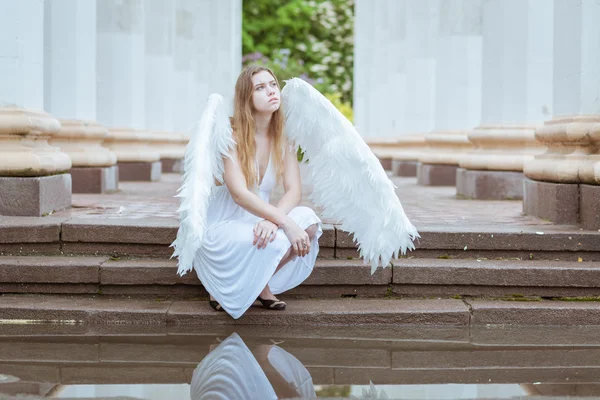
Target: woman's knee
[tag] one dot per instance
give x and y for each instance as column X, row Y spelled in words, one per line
column 312, row 231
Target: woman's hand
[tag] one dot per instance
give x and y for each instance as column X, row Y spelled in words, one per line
column 298, row 238
column 265, row 232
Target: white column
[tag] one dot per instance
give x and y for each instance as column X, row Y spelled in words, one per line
column 24, row 127
column 516, row 82
column 457, row 87
column 573, row 136
column 227, row 25
column 70, row 85
column 458, row 66
column 22, row 54
column 380, row 68
column 363, row 59
column 70, row 59
column 159, row 32
column 120, row 64
column 422, row 21
column 183, row 57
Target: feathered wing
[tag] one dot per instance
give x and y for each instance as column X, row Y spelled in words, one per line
column 348, row 181
column 210, row 142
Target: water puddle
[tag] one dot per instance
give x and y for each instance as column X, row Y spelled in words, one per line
column 262, row 362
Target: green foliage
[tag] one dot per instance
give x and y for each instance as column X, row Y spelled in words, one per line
column 310, row 39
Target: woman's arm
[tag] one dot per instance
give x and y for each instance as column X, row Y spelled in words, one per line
column 236, row 183
column 291, row 182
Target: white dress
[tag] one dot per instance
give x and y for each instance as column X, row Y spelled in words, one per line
column 232, row 269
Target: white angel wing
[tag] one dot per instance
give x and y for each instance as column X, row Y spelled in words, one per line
column 203, row 162
column 348, row 180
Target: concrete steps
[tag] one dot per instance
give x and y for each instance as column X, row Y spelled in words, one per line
column 95, row 309
column 151, row 237
column 330, row 278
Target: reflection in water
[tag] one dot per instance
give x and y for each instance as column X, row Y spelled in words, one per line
column 287, row 362
column 232, row 371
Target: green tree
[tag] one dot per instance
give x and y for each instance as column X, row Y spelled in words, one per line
column 311, row 39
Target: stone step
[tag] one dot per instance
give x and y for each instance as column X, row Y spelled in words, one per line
column 330, row 278
column 151, row 237
column 94, row 309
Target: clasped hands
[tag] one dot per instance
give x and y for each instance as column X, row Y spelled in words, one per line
column 265, row 232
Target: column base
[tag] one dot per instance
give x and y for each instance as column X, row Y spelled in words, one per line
column 404, row 168
column 436, row 174
column 36, row 196
column 148, row 171
column 95, row 179
column 556, row 202
column 172, row 165
column 489, row 185
column 386, row 163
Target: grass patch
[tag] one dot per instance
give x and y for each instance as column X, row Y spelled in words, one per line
column 582, row 298
column 457, row 297
column 444, row 257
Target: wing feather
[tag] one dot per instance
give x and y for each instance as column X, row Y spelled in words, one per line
column 348, row 181
column 210, row 142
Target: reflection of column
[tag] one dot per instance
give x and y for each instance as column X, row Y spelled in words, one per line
column 565, row 180
column 517, row 95
column 32, row 174
column 457, row 91
column 121, row 87
column 70, row 93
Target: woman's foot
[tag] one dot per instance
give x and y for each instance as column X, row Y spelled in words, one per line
column 272, row 304
column 215, row 305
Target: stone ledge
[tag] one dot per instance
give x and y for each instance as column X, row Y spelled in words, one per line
column 534, row 313
column 146, row 231
column 50, row 269
column 496, row 239
column 497, row 273
column 30, row 230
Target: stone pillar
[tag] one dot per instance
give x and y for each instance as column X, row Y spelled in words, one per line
column 183, row 58
column 121, row 94
column 417, row 90
column 517, row 96
column 70, row 93
column 33, row 175
column 161, row 96
column 457, row 91
column 564, row 182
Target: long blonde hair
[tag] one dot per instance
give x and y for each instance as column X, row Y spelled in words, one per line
column 243, row 125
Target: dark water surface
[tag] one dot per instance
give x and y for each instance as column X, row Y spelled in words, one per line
column 262, row 362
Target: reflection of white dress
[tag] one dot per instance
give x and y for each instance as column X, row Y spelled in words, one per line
column 231, row 372
column 234, row 271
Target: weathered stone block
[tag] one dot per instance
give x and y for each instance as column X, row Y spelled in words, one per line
column 404, row 168
column 436, row 174
column 489, row 185
column 95, row 180
column 140, row 171
column 556, row 202
column 34, row 196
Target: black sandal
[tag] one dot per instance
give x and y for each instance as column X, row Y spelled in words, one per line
column 215, row 305
column 272, row 304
